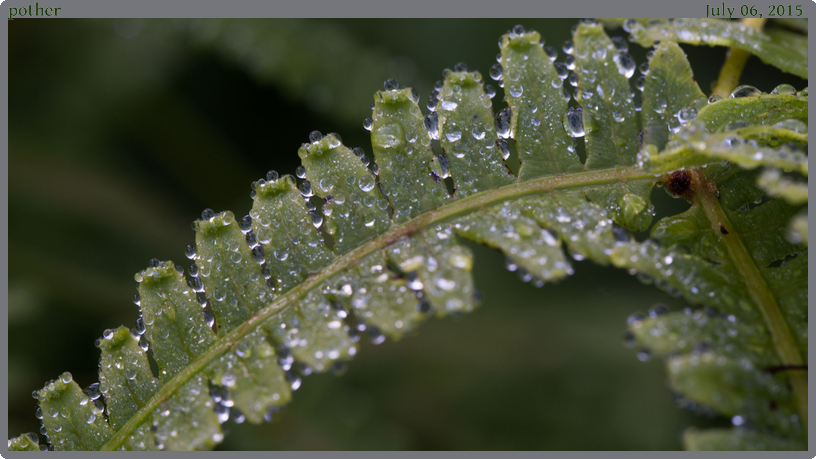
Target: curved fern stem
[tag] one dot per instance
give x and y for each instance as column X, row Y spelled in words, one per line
column 734, row 63
column 706, row 194
column 543, row 185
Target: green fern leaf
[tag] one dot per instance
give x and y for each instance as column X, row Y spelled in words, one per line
column 735, row 440
column 25, row 442
column 780, row 48
column 776, row 185
column 668, row 87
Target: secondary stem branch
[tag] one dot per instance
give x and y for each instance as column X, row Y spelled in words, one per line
column 757, row 287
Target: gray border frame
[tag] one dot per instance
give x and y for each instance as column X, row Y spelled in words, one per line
column 356, row 9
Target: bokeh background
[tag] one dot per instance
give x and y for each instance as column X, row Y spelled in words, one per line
column 122, row 131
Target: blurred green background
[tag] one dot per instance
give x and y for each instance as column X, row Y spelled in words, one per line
column 122, row 131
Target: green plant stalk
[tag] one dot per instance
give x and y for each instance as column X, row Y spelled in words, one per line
column 453, row 209
column 755, row 283
column 734, row 63
column 705, row 194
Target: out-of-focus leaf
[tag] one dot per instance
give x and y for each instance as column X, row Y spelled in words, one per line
column 782, row 49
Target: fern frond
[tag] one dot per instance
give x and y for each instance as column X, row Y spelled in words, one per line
column 734, row 254
column 360, row 247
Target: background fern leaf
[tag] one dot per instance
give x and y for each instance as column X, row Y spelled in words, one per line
column 780, row 48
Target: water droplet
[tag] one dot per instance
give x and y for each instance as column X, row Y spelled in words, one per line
column 575, row 121
column 551, row 53
column 92, row 391
column 503, row 123
column 432, row 101
column 516, row 90
column 620, row 43
column 562, row 70
column 478, row 133
column 569, row 61
column 445, row 284
column 745, row 91
column 140, row 326
column 245, row 224
column 258, row 251
column 376, row 336
column 660, row 104
column 413, row 282
column 432, row 125
column 491, row 93
column 207, row 214
column 391, row 84
column 573, row 79
column 568, row 47
column 315, row 136
column 687, row 114
column 366, row 183
column 496, row 72
column 714, row 98
column 625, row 63
column 196, row 284
column 453, row 136
column 281, row 255
column 449, row 105
column 644, row 68
column 222, row 412
column 784, row 89
column 444, row 166
column 300, row 172
column 306, row 189
column 640, row 83
column 228, row 379
column 413, row 95
column 658, row 310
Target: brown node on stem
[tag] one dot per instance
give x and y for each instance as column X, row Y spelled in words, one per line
column 680, row 183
